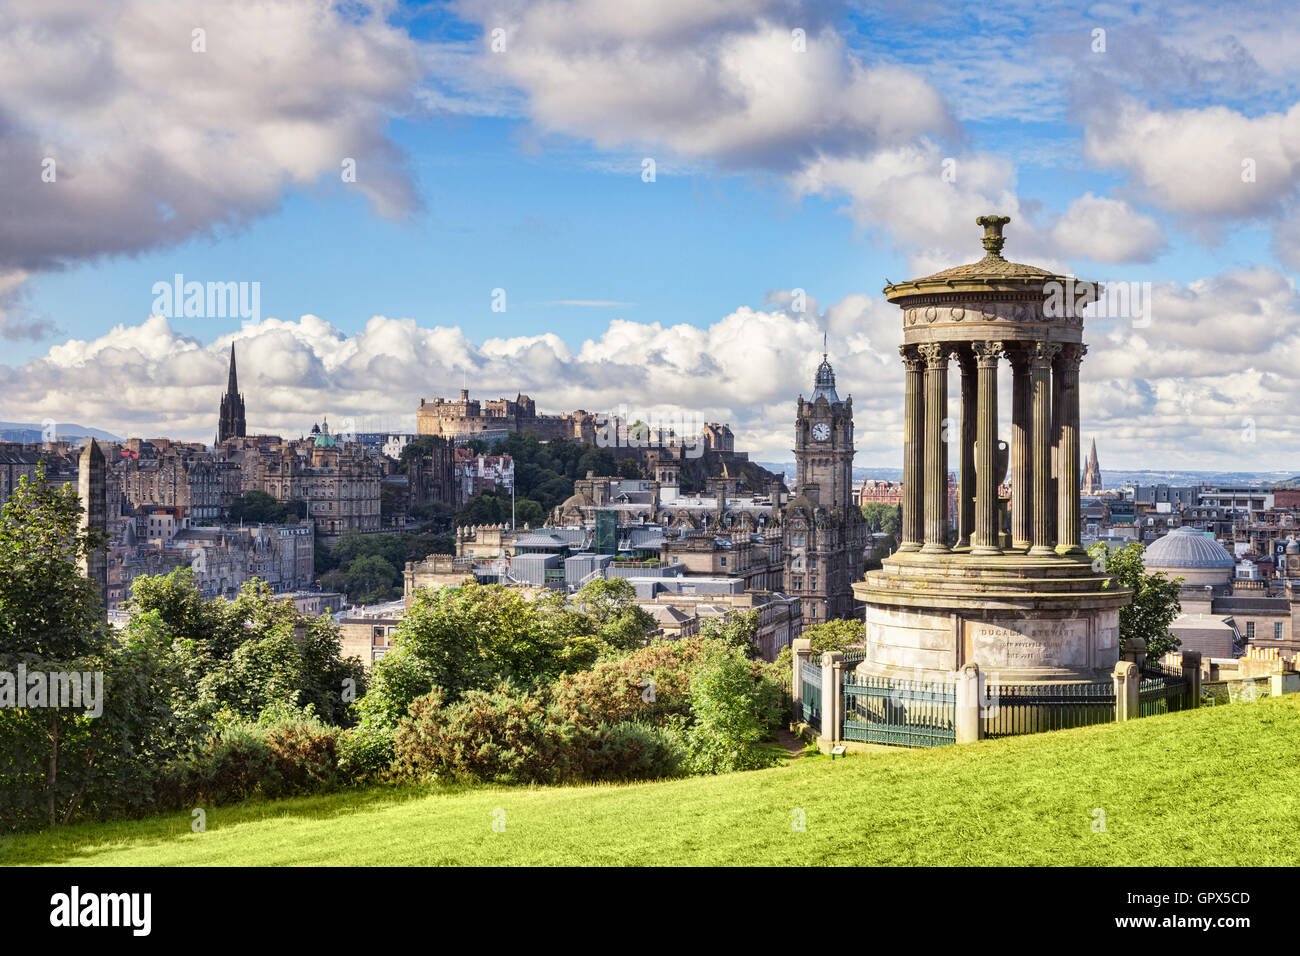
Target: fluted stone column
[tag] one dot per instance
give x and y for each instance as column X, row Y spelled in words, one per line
column 1022, row 465
column 966, row 472
column 936, row 449
column 986, row 479
column 1067, row 513
column 913, row 450
column 1040, row 378
column 1057, row 406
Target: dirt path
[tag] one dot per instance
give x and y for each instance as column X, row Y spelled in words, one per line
column 792, row 744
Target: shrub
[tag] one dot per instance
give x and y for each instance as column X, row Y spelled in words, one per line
column 618, row 690
column 499, row 735
column 275, row 759
column 734, row 707
column 632, row 750
column 366, row 753
column 512, row 736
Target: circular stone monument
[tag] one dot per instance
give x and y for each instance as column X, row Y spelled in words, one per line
column 1018, row 597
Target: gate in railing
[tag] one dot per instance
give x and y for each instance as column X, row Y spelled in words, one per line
column 1161, row 694
column 904, row 712
column 810, row 680
column 1011, row 709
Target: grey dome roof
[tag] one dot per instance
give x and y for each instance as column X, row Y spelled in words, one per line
column 1187, row 548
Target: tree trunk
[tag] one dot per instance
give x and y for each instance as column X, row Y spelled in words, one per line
column 54, row 759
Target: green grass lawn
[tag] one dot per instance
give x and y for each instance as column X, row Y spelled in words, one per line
column 1215, row 786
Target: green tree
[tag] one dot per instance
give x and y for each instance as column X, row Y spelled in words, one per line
column 622, row 624
column 882, row 518
column 51, row 620
column 835, row 635
column 1155, row 601
column 473, row 637
column 733, row 709
column 257, row 507
column 738, row 629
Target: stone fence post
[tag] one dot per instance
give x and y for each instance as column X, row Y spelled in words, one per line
column 802, row 651
column 833, row 696
column 1192, row 674
column 1135, row 650
column 1126, row 691
column 1283, row 681
column 968, row 704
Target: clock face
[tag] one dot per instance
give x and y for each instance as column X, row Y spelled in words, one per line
column 821, row 431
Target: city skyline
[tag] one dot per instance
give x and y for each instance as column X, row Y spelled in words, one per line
column 708, row 289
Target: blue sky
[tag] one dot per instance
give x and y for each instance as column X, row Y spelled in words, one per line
column 777, row 170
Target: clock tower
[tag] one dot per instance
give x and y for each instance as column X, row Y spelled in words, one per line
column 824, row 532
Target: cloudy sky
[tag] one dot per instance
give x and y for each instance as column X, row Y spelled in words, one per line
column 391, row 175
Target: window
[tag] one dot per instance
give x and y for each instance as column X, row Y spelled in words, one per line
column 1250, row 630
column 722, row 561
column 1277, row 630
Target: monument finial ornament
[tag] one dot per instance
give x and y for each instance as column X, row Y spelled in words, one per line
column 993, row 238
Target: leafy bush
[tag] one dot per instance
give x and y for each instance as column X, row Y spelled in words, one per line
column 512, row 736
column 734, row 706
column 632, row 750
column 275, row 758
column 646, row 685
column 498, row 735
column 366, row 753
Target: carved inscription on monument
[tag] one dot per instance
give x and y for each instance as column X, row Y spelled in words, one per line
column 1027, row 643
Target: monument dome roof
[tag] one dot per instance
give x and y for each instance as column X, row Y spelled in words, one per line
column 1187, row 548
column 992, row 273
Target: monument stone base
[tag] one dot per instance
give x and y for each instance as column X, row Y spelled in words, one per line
column 1024, row 619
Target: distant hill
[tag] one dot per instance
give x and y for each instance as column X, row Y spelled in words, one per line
column 66, row 431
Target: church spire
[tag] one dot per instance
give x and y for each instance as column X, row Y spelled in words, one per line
column 232, row 384
column 230, row 421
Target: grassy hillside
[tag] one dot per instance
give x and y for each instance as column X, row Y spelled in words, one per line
column 1215, row 786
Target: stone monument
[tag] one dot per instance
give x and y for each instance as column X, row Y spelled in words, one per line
column 1020, row 598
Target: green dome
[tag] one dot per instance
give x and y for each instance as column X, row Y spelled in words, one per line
column 325, row 439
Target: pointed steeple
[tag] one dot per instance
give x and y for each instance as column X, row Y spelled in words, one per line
column 1091, row 484
column 232, row 384
column 230, row 421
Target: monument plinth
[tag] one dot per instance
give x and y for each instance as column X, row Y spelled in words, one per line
column 1024, row 604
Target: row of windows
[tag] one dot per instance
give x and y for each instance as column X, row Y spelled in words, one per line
column 1277, row 630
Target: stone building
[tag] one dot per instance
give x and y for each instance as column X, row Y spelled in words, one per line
column 339, row 483
column 1021, row 600
column 470, row 418
column 163, row 472
column 224, row 557
column 23, row 459
column 432, row 476
column 879, row 492
column 1223, row 617
column 824, row 531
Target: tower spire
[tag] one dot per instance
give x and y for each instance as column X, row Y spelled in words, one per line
column 230, row 420
column 232, row 384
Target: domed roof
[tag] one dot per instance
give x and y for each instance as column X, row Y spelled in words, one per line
column 1187, row 548
column 575, row 501
column 992, row 273
column 1292, row 546
column 323, row 437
